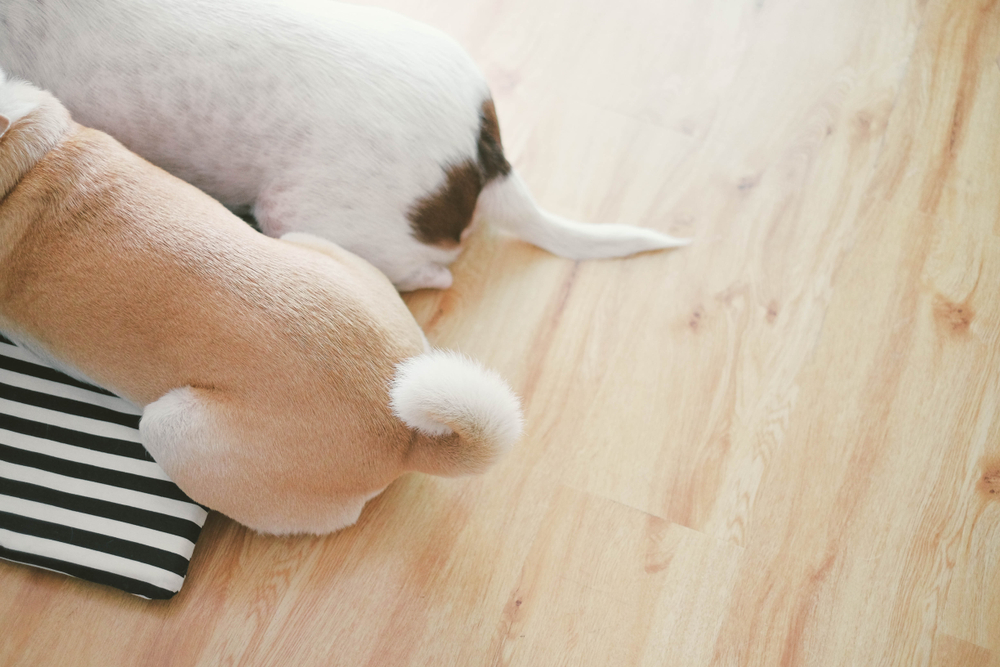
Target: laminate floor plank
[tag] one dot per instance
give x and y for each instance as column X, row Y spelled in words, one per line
column 776, row 446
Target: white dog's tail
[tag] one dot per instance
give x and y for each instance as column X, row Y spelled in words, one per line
column 506, row 203
column 466, row 417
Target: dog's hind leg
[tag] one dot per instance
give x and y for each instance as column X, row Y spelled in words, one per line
column 185, row 433
column 375, row 231
column 190, row 434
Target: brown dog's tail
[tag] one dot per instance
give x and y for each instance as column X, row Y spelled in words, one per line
column 464, row 416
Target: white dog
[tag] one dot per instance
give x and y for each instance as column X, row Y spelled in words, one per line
column 350, row 123
column 283, row 382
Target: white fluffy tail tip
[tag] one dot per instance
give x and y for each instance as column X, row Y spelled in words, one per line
column 440, row 392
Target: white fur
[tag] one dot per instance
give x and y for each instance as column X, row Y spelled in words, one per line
column 507, row 204
column 17, row 99
column 440, row 391
column 318, row 117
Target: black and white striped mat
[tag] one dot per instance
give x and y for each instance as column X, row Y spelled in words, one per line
column 78, row 493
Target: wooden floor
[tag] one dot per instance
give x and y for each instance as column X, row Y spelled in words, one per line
column 779, row 446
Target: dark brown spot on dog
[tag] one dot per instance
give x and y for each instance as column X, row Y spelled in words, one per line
column 954, row 318
column 442, row 216
column 491, row 157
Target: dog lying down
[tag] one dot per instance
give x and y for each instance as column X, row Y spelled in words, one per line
column 284, row 382
column 351, row 123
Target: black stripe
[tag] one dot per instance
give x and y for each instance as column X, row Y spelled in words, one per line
column 116, row 546
column 126, row 584
column 115, row 478
column 98, row 443
column 164, row 523
column 46, row 373
column 67, row 406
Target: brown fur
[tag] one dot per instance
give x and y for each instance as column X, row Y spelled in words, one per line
column 144, row 284
column 442, row 216
column 491, row 158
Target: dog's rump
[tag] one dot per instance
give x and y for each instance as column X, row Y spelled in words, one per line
column 367, row 129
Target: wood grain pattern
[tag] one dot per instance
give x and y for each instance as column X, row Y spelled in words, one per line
column 778, row 446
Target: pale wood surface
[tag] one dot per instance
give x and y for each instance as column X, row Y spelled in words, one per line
column 778, row 446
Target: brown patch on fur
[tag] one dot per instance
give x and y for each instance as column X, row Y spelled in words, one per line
column 442, row 216
column 491, row 157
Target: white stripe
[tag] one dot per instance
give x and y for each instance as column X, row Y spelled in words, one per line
column 82, row 455
column 98, row 524
column 88, row 489
column 34, row 354
column 74, row 422
column 94, row 559
column 53, row 388
column 17, row 352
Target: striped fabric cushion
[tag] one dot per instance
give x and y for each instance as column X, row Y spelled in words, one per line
column 78, row 493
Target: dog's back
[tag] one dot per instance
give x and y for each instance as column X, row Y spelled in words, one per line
column 265, row 368
column 323, row 118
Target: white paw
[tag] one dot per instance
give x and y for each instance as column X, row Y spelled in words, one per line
column 428, row 276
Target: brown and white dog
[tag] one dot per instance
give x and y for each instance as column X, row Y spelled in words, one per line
column 351, row 123
column 283, row 382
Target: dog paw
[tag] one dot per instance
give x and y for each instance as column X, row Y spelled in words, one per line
column 428, row 276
